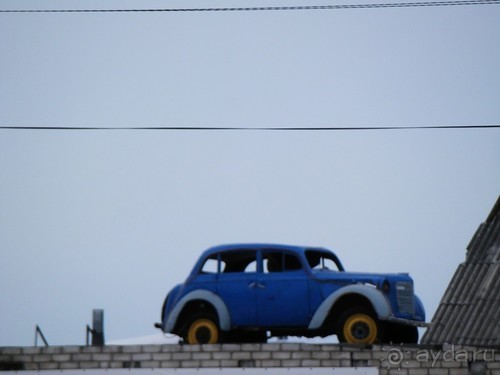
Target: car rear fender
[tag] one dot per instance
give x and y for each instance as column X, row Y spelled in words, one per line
column 377, row 299
column 196, row 295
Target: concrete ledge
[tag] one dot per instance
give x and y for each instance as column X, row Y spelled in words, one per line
column 410, row 360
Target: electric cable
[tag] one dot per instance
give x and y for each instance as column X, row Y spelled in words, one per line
column 243, row 128
column 269, row 8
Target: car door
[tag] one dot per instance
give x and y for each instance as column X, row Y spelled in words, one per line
column 236, row 286
column 282, row 291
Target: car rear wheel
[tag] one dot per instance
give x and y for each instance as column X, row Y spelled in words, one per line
column 358, row 326
column 202, row 330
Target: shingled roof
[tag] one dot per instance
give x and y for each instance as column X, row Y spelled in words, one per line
column 469, row 312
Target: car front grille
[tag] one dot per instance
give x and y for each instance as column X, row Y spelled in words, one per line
column 404, row 292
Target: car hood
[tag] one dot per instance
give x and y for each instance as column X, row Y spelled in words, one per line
column 359, row 277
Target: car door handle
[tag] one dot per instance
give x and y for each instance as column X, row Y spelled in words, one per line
column 256, row 284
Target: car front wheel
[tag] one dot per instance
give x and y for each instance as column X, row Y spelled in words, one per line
column 358, row 326
column 202, row 330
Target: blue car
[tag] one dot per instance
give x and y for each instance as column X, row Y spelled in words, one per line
column 250, row 292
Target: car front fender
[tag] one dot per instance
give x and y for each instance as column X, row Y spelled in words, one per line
column 377, row 299
column 204, row 295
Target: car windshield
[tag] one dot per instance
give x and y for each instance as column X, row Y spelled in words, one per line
column 323, row 261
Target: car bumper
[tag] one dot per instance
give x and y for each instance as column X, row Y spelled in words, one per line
column 408, row 322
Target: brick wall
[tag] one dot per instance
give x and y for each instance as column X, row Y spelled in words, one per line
column 410, row 360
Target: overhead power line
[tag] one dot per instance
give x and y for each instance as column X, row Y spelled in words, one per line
column 269, row 8
column 222, row 128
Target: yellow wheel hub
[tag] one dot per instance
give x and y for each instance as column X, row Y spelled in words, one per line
column 360, row 329
column 203, row 331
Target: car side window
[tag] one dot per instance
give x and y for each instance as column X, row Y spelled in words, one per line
column 321, row 261
column 231, row 262
column 278, row 261
column 210, row 265
column 239, row 261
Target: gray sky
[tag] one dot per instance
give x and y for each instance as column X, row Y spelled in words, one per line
column 113, row 219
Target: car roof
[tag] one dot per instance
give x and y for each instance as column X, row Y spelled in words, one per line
column 259, row 246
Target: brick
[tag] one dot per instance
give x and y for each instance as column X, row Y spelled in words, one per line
column 330, row 363
column 132, row 349
column 161, row 356
column 309, row 347
column 361, row 355
column 270, row 347
column 71, row 349
column 191, row 348
column 301, row 355
column 438, row 371
column 330, row 348
column 42, row 358
column 114, row 364
column 61, row 357
column 151, row 348
column 261, row 355
column 141, row 357
column 170, row 364
column 231, row 347
column 150, row 364
column 341, row 355
column 88, row 365
column 460, row 371
column 49, row 366
column 241, row 355
column 79, row 357
column 250, row 347
column 353, row 347
column 359, row 363
column 202, row 355
column 310, row 363
column 290, row 347
column 281, row 355
column 320, row 355
column 290, row 363
column 104, row 364
column 221, row 355
column 211, row 347
column 181, row 356
column 11, row 351
column 31, row 366
column 451, row 364
column 228, row 363
column 112, row 349
column 270, row 363
column 171, row 348
column 68, row 365
column 51, row 350
column 101, row 357
column 190, row 364
column 244, row 363
column 345, row 363
column 398, row 372
column 121, row 357
column 91, row 349
column 210, row 363
column 22, row 358
column 31, row 350
column 417, row 371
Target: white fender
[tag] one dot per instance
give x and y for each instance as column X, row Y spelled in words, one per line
column 205, row 295
column 379, row 302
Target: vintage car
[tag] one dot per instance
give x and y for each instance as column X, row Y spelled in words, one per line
column 250, row 292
